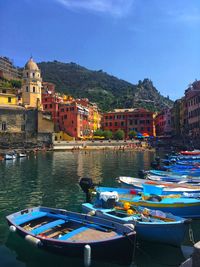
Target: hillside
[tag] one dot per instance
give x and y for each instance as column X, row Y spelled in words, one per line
column 107, row 91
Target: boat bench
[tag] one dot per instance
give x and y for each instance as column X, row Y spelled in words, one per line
column 29, row 217
column 47, row 226
column 73, row 233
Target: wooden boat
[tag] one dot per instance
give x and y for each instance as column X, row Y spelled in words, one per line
column 166, row 187
column 68, row 233
column 178, row 205
column 153, row 226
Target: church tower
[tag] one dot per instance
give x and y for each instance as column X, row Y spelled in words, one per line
column 32, row 85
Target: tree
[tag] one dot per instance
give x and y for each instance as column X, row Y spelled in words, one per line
column 107, row 134
column 99, row 132
column 119, row 135
column 132, row 134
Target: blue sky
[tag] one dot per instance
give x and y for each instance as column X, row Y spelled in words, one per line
column 130, row 39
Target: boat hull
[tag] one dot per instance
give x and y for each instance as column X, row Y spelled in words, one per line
column 172, row 233
column 100, row 249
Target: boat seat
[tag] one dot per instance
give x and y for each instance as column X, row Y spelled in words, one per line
column 29, row 217
column 47, row 226
column 73, row 233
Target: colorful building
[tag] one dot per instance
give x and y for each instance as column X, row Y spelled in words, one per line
column 137, row 119
column 76, row 117
column 8, row 96
column 163, row 123
column 8, row 70
column 192, row 99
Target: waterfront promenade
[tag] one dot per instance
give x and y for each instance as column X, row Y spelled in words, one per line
column 103, row 144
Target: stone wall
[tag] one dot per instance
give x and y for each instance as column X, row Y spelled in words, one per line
column 12, row 119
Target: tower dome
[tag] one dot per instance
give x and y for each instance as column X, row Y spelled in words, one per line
column 31, row 65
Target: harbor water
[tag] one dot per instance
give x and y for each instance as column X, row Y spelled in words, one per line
column 52, row 179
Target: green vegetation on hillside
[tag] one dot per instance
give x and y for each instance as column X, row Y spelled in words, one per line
column 107, row 91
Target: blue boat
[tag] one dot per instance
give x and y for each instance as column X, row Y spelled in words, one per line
column 176, row 204
column 68, row 233
column 163, row 228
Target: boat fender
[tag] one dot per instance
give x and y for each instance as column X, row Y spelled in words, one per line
column 130, row 226
column 91, row 213
column 12, row 228
column 87, row 255
column 33, row 240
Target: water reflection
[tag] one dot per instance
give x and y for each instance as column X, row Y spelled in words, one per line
column 51, row 179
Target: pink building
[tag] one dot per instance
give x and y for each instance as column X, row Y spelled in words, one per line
column 163, row 123
column 192, row 98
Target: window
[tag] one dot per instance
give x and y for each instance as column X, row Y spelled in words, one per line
column 4, row 91
column 62, row 110
column 122, row 123
column 110, row 123
column 50, row 105
column 23, row 128
column 9, row 99
column 115, row 123
column 27, row 74
column 26, row 88
column 33, row 89
column 33, row 74
column 65, row 117
column 45, row 106
column 3, row 126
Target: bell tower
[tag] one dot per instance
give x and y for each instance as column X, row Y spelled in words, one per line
column 32, row 85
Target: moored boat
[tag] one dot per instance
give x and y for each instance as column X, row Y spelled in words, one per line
column 167, row 187
column 176, row 204
column 150, row 225
column 68, row 233
column 22, row 155
column 9, row 156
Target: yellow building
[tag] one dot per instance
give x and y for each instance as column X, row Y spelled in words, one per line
column 7, row 96
column 97, row 120
column 32, row 85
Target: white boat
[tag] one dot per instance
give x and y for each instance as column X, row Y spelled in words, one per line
column 9, row 156
column 165, row 187
column 22, row 155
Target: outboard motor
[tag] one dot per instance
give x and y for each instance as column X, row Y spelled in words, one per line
column 142, row 174
column 155, row 165
column 86, row 184
column 157, row 159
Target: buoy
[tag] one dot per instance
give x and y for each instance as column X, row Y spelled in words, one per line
column 33, row 240
column 12, row 228
column 87, row 256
